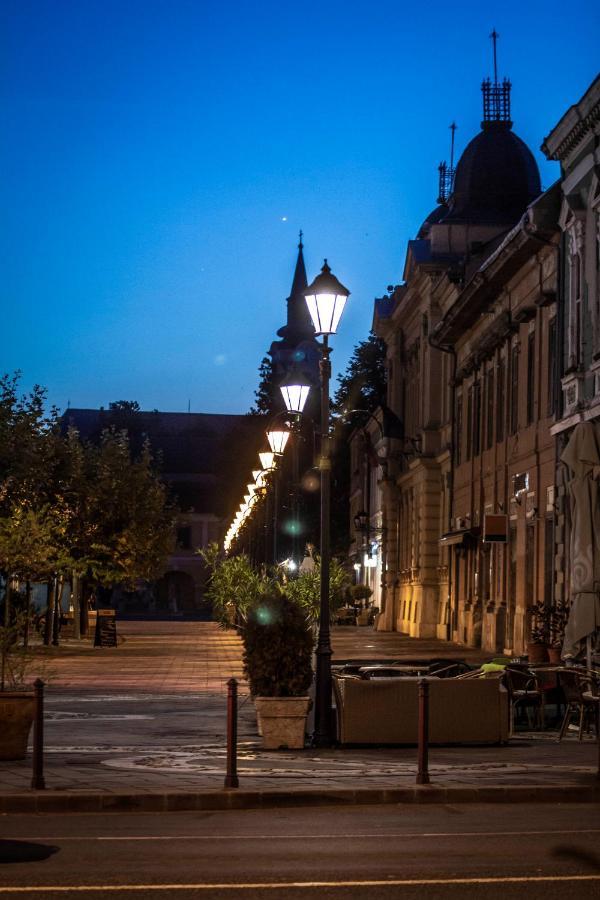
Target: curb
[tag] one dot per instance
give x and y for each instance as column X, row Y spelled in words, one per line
column 147, row 801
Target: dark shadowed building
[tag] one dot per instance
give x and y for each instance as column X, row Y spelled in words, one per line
column 205, row 460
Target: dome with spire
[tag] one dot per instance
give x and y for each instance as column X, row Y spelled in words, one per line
column 496, row 178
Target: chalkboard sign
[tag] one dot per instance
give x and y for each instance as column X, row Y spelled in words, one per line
column 106, row 628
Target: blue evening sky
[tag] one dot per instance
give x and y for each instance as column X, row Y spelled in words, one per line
column 159, row 157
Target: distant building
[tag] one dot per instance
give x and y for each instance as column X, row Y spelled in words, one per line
column 205, row 459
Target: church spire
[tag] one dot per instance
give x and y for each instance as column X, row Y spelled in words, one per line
column 300, row 280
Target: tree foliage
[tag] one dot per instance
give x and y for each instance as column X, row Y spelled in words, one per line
column 268, row 397
column 68, row 507
column 363, row 384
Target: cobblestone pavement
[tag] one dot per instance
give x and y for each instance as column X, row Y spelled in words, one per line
column 149, row 715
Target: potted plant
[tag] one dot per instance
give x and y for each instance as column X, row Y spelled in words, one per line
column 17, row 701
column 539, row 632
column 559, row 616
column 278, row 645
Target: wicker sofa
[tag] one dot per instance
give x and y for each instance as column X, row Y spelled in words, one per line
column 385, row 710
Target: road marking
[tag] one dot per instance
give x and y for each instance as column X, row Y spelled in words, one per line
column 310, row 837
column 279, row 885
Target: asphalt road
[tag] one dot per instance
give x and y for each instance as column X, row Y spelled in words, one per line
column 366, row 853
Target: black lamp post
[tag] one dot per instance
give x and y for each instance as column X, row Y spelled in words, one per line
column 325, row 299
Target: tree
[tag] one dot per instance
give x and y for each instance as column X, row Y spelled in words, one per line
column 361, row 389
column 126, row 524
column 268, row 397
column 363, row 384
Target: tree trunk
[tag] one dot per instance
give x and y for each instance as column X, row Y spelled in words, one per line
column 27, row 613
column 84, row 618
column 6, row 621
column 48, row 625
column 76, row 596
column 58, row 589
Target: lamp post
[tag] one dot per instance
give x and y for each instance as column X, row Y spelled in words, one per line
column 325, row 299
column 295, row 389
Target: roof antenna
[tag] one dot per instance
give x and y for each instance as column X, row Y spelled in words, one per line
column 189, row 405
column 496, row 97
column 447, row 172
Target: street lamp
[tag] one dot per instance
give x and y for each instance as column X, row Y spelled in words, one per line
column 294, row 388
column 278, row 438
column 325, row 298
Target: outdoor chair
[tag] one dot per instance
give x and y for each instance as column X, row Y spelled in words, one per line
column 448, row 668
column 581, row 696
column 524, row 694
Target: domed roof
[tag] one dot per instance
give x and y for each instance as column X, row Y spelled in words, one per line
column 496, row 178
column 434, row 216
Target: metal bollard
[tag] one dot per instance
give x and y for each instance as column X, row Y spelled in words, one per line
column 37, row 781
column 231, row 778
column 423, row 750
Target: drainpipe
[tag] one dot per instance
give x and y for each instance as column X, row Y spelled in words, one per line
column 452, row 600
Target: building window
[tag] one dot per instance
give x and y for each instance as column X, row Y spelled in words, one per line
column 458, row 426
column 184, row 538
column 500, row 376
column 514, row 389
column 469, row 422
column 552, row 356
column 476, row 418
column 530, row 377
column 490, row 408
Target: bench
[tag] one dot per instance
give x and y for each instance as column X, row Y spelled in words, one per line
column 385, row 710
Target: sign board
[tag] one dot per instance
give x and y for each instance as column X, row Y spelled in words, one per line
column 495, row 529
column 106, row 628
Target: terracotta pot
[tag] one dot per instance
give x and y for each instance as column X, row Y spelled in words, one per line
column 537, row 653
column 283, row 721
column 17, row 711
column 554, row 655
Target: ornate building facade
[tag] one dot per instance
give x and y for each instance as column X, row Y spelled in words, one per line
column 474, row 335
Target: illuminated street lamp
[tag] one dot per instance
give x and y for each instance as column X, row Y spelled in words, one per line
column 294, row 388
column 267, row 460
column 325, row 298
column 278, row 439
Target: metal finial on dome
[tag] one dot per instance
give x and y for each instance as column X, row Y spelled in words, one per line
column 496, row 97
column 447, row 172
column 494, row 36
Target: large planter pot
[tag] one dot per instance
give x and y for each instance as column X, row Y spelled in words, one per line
column 554, row 655
column 283, row 721
column 17, row 711
column 537, row 653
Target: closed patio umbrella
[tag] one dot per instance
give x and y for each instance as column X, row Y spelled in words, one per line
column 582, row 456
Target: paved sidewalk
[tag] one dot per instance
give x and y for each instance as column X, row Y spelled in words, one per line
column 143, row 726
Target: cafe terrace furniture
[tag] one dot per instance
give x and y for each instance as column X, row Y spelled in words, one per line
column 581, row 695
column 385, row 710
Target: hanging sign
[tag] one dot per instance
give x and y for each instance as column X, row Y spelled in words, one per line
column 495, row 529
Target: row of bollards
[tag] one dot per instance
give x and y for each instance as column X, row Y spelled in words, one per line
column 231, row 777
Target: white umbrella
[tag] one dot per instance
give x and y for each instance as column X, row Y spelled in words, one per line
column 582, row 456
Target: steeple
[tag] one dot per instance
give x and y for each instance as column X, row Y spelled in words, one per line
column 297, row 347
column 496, row 96
column 299, row 326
